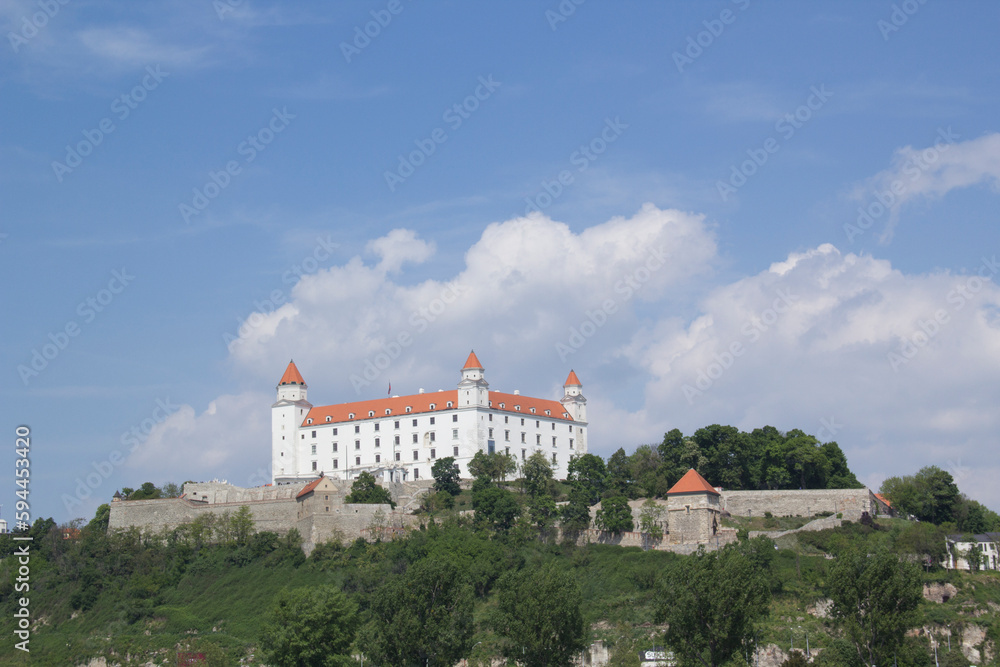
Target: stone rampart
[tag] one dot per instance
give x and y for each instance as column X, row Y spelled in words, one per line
column 155, row 515
column 644, row 541
column 850, row 502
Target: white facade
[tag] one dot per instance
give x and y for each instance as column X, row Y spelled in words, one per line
column 959, row 546
column 401, row 437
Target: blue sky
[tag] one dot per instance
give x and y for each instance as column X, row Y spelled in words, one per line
column 246, row 162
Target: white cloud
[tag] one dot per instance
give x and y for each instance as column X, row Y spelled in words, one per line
column 399, row 247
column 230, row 439
column 134, row 47
column 930, row 173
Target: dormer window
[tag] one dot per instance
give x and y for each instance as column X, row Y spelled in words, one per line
column 408, row 408
column 548, row 412
column 350, row 416
column 532, row 411
column 388, row 411
column 433, row 406
column 371, row 413
column 309, row 421
column 329, row 418
column 502, row 406
column 517, row 407
column 449, row 404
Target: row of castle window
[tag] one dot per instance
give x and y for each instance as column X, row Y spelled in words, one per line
column 378, row 458
column 454, row 418
column 454, row 436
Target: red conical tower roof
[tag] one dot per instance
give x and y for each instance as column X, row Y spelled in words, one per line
column 472, row 362
column 292, row 375
column 572, row 379
column 692, row 482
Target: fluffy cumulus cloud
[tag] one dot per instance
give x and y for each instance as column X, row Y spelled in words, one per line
column 925, row 173
column 899, row 369
column 229, row 439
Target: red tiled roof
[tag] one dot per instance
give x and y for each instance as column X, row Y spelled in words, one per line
column 472, row 362
column 692, row 482
column 292, row 375
column 572, row 379
column 421, row 403
column 883, row 499
column 309, row 487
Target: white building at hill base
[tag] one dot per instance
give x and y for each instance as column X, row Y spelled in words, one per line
column 399, row 438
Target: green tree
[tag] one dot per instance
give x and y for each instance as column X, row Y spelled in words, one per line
column 651, row 518
column 575, row 515
column 615, row 515
column 930, row 495
column 495, row 508
column 536, row 473
column 494, row 467
column 713, row 602
column 242, row 525
column 101, row 518
column 875, row 595
column 620, row 480
column 543, row 512
column 147, row 491
column 588, row 474
column 170, row 490
column 924, row 540
column 539, row 617
column 312, row 626
column 365, row 490
column 446, row 477
column 423, row 617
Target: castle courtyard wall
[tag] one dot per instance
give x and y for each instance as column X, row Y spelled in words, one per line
column 805, row 502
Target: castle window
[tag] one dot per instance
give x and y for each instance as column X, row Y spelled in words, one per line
column 326, row 498
column 454, row 434
column 432, row 421
column 553, row 441
column 491, row 434
column 456, row 454
column 538, row 424
column 357, row 444
column 416, row 455
column 549, row 412
column 408, row 408
column 433, row 453
column 371, row 413
column 376, row 426
column 335, row 431
column 501, row 406
column 553, row 424
column 397, row 456
column 314, row 434
column 357, row 460
column 449, row 404
column 414, row 423
column 491, row 416
column 314, row 449
column 396, row 423
column 489, row 404
column 524, row 454
column 378, row 458
column 570, row 426
column 329, row 418
column 314, row 465
column 350, row 416
column 388, row 411
column 532, row 411
column 432, row 436
column 416, row 473
column 506, row 436
column 377, row 441
column 336, row 464
column 357, row 428
column 303, row 436
column 432, row 407
column 327, row 509
column 538, row 439
column 522, row 436
column 334, row 446
column 571, row 443
column 506, row 419
column 309, row 421
column 454, row 418
column 414, row 438
column 397, row 439
column 554, row 462
column 517, row 407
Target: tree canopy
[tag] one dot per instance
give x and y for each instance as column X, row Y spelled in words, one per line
column 310, row 626
column 446, row 477
column 366, row 490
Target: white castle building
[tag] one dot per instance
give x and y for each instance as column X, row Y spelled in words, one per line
column 400, row 438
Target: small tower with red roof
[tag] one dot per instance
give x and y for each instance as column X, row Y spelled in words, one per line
column 693, row 509
column 573, row 400
column 288, row 454
column 473, row 390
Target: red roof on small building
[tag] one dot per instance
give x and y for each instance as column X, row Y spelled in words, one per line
column 308, row 488
column 292, row 375
column 472, row 362
column 884, row 500
column 692, row 482
column 572, row 379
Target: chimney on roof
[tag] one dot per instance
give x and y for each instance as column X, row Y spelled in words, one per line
column 421, row 390
column 517, row 392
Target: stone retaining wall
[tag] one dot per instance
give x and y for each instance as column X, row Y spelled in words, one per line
column 806, row 502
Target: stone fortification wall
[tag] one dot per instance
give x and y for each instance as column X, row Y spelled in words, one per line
column 154, row 515
column 637, row 539
column 851, row 502
column 221, row 492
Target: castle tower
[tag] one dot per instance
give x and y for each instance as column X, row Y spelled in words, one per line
column 693, row 509
column 573, row 400
column 473, row 390
column 287, row 414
